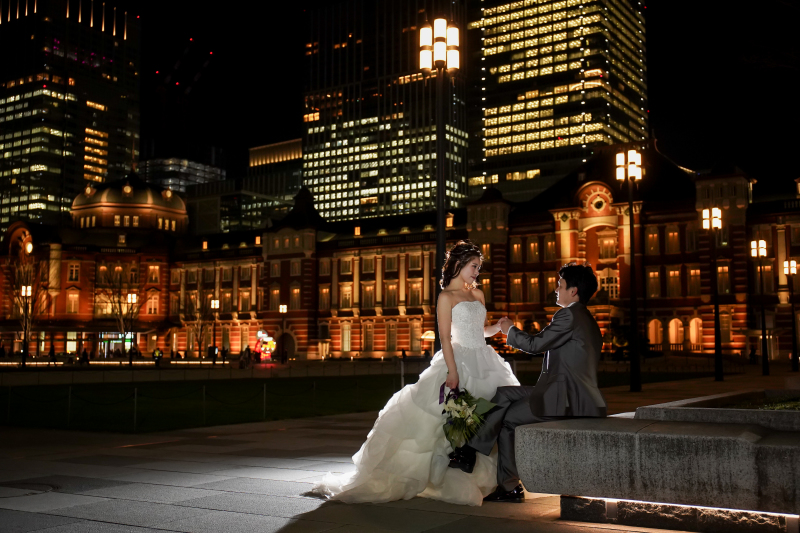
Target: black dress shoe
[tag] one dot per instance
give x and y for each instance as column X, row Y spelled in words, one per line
column 517, row 495
column 463, row 458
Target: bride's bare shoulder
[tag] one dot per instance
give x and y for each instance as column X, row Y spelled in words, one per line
column 478, row 295
column 445, row 298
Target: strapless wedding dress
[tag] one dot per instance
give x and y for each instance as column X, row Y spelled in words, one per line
column 405, row 454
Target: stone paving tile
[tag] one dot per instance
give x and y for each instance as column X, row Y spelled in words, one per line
column 280, row 474
column 333, row 457
column 407, row 520
column 265, row 462
column 46, row 501
column 259, row 504
column 153, row 493
column 68, row 484
column 259, row 486
column 130, row 513
column 21, row 522
column 217, row 521
column 98, row 527
column 11, row 475
column 159, row 477
column 8, row 492
column 101, row 460
column 331, row 466
column 190, row 467
column 530, row 510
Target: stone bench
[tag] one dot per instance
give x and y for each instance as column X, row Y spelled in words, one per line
column 735, row 466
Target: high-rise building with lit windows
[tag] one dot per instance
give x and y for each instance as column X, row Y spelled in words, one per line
column 69, row 103
column 554, row 79
column 177, row 174
column 369, row 146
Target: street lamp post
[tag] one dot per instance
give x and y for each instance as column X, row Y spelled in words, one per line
column 438, row 50
column 712, row 221
column 282, row 310
column 27, row 291
column 127, row 324
column 215, row 311
column 790, row 269
column 758, row 249
column 630, row 169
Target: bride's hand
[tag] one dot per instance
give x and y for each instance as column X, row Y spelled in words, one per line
column 452, row 380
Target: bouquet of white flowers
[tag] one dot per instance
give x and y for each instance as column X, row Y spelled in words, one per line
column 464, row 415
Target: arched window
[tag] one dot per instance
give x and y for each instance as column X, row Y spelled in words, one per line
column 696, row 333
column 654, row 333
column 675, row 331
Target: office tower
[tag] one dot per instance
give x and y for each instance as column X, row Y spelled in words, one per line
column 555, row 79
column 69, row 104
column 369, row 140
column 178, row 174
column 277, row 169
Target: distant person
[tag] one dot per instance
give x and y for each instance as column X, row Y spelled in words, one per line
column 101, row 354
column 117, row 353
column 224, row 354
column 753, row 357
column 212, row 354
column 157, row 355
column 427, row 355
column 84, row 357
column 247, row 353
column 403, row 355
column 51, row 355
column 284, row 357
column 2, row 350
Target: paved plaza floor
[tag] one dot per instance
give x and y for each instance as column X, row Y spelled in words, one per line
column 252, row 478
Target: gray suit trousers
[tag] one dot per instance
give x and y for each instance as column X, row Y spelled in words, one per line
column 513, row 409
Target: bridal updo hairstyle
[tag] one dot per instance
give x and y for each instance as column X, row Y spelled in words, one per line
column 454, row 260
column 582, row 277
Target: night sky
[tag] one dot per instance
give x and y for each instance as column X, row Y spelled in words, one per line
column 720, row 82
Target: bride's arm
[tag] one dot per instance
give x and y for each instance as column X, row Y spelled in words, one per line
column 444, row 313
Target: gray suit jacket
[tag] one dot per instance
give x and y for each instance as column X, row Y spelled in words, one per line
column 567, row 385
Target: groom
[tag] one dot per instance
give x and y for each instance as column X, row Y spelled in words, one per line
column 567, row 386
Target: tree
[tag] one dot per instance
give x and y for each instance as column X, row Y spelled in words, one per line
column 31, row 299
column 121, row 295
column 199, row 316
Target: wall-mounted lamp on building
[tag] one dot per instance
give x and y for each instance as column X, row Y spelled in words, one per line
column 131, row 298
column 28, row 247
column 205, row 245
column 258, row 240
column 26, row 290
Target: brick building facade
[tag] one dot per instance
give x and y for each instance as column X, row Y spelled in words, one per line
column 368, row 288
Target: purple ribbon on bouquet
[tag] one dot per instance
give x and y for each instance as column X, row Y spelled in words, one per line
column 454, row 392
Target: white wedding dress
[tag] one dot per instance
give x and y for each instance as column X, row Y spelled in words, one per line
column 405, row 454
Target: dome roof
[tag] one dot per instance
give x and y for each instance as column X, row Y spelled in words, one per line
column 128, row 191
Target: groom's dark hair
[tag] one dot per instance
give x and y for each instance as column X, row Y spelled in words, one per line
column 582, row 277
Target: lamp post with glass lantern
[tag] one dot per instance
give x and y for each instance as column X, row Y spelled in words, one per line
column 758, row 249
column 712, row 222
column 215, row 311
column 438, row 50
column 629, row 168
column 790, row 269
column 26, row 291
column 128, row 319
column 282, row 309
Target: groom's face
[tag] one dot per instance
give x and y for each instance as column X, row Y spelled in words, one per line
column 565, row 296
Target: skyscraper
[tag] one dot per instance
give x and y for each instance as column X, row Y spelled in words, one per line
column 69, row 104
column 177, row 174
column 555, row 78
column 370, row 139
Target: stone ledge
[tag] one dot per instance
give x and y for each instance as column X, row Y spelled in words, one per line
column 666, row 516
column 732, row 466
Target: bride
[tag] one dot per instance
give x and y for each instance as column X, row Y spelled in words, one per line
column 406, row 453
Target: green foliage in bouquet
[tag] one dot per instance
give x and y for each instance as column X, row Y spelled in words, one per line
column 464, row 415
